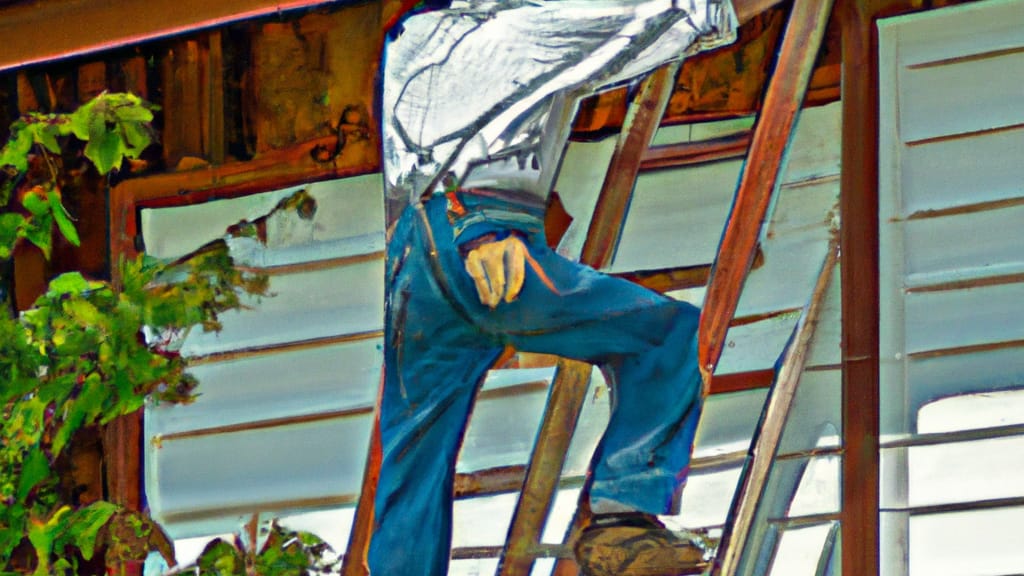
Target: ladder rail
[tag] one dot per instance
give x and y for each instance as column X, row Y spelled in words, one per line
column 739, row 526
column 568, row 390
column 783, row 99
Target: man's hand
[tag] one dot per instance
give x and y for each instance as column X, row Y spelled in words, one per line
column 498, row 269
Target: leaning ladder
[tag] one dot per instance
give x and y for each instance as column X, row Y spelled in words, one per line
column 539, row 483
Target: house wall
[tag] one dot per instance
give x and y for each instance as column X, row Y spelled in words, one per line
column 952, row 318
column 282, row 422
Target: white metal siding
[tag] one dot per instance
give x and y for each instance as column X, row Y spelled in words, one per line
column 952, row 300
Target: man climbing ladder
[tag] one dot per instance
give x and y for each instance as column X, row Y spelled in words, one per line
column 478, row 100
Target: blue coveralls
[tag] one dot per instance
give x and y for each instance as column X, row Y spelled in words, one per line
column 440, row 342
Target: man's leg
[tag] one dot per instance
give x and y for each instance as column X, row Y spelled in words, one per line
column 645, row 345
column 434, row 362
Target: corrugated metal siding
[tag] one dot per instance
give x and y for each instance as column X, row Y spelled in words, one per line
column 952, row 301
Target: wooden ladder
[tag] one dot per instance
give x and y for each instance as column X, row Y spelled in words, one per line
column 539, row 481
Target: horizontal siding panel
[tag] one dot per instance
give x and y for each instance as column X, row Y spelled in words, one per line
column 579, row 184
column 756, row 346
column 961, row 97
column 815, row 419
column 826, row 346
column 954, row 318
column 495, row 438
column 707, row 497
column 815, row 149
column 278, row 385
column 224, row 474
column 950, row 173
column 303, row 306
column 931, row 379
column 990, row 409
column 346, row 208
column 676, row 217
column 968, row 543
column 787, row 277
column 966, row 471
column 953, row 32
column 971, row 245
column 727, row 423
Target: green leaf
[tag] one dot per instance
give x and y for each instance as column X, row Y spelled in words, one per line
column 35, row 202
column 11, row 225
column 63, row 219
column 105, row 149
column 35, row 468
column 79, row 121
column 69, row 283
column 39, row 232
column 85, row 313
column 138, row 138
column 133, row 112
column 81, row 411
column 46, row 135
column 15, row 153
column 86, row 523
column 41, row 533
column 222, row 559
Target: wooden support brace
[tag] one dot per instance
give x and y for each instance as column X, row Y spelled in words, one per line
column 603, row 236
column 768, row 434
column 772, row 135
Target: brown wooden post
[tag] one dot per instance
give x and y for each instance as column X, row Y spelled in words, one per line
column 858, row 208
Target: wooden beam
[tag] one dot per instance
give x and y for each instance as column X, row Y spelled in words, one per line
column 858, row 209
column 772, row 135
column 41, row 31
column 571, row 378
column 690, row 153
column 292, row 166
column 768, row 435
column 611, row 208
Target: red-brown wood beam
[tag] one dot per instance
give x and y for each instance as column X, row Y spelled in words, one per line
column 571, row 377
column 785, row 95
column 858, row 206
column 611, row 209
column 689, row 153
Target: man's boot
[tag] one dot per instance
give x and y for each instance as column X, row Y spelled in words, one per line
column 638, row 544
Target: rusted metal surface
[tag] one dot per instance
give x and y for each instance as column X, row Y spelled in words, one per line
column 761, row 172
column 768, row 435
column 569, row 387
column 858, row 208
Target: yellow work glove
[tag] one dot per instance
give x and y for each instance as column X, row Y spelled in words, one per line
column 498, row 269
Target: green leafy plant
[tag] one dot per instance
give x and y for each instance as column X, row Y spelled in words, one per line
column 80, row 356
column 283, row 553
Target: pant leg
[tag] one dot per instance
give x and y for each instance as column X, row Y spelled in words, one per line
column 434, row 363
column 644, row 342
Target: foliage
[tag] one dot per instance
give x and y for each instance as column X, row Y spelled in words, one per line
column 284, row 553
column 112, row 126
column 80, row 356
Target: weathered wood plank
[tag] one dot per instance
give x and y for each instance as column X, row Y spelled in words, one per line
column 772, row 134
